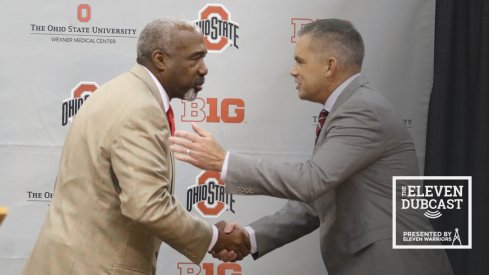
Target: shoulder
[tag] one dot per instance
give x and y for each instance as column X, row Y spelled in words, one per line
column 368, row 101
column 129, row 98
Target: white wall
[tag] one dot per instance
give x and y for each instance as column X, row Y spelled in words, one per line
column 37, row 74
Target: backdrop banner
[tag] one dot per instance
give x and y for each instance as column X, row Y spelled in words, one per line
column 54, row 54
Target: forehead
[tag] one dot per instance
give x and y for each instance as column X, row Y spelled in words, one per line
column 303, row 44
column 188, row 40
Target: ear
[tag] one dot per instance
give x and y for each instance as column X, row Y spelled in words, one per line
column 159, row 59
column 331, row 66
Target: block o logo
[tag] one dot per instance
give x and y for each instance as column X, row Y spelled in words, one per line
column 208, row 195
column 84, row 89
column 218, row 207
column 84, row 13
column 220, row 32
column 79, row 94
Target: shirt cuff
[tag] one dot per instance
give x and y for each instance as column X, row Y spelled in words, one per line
column 215, row 234
column 251, row 232
column 224, row 169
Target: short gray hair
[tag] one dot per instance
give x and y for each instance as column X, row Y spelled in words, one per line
column 338, row 36
column 159, row 34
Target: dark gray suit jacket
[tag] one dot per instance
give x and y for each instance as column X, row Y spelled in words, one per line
column 345, row 189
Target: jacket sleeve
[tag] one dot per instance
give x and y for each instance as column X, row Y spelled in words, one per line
column 354, row 140
column 291, row 222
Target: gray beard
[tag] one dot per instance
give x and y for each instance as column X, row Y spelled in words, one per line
column 190, row 95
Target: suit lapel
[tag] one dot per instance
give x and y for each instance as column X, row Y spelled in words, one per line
column 347, row 93
column 349, row 90
column 172, row 174
column 140, row 72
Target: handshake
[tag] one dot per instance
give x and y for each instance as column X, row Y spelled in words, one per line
column 233, row 242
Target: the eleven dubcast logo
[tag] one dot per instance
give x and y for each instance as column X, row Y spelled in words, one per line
column 435, row 197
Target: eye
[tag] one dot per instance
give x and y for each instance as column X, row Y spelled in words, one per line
column 194, row 61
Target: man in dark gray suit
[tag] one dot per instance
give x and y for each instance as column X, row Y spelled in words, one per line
column 345, row 189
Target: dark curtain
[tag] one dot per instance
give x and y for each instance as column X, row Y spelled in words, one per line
column 458, row 119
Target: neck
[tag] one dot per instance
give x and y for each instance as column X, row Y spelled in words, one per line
column 153, row 70
column 157, row 75
column 337, row 81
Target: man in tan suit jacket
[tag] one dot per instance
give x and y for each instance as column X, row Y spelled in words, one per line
column 113, row 202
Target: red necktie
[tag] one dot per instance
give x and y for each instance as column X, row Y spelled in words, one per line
column 171, row 121
column 321, row 120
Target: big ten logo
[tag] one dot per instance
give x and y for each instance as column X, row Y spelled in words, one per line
column 228, row 110
column 297, row 24
column 209, row 269
column 208, row 195
column 217, row 27
column 79, row 94
column 84, row 13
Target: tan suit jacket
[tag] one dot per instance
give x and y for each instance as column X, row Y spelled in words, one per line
column 113, row 202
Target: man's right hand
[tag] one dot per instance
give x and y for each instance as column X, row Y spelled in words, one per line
column 233, row 242
column 199, row 149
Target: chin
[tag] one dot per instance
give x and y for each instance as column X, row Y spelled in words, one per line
column 306, row 97
column 190, row 95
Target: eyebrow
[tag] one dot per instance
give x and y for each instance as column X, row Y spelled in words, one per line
column 198, row 54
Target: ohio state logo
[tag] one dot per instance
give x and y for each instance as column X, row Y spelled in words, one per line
column 217, row 27
column 79, row 94
column 208, row 195
column 84, row 13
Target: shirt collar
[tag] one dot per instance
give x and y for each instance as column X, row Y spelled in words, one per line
column 161, row 90
column 337, row 92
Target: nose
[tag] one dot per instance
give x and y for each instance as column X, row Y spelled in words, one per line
column 293, row 71
column 203, row 69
